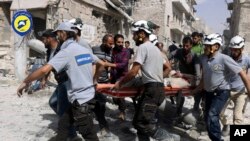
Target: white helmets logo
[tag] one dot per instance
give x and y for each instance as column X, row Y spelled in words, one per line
column 237, row 42
column 213, row 39
column 143, row 25
column 153, row 38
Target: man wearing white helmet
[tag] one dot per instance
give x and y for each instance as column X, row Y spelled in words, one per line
column 148, row 59
column 218, row 69
column 78, row 25
column 238, row 93
column 77, row 62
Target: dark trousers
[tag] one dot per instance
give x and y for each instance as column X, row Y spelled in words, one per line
column 121, row 104
column 197, row 100
column 82, row 117
column 144, row 119
column 59, row 103
column 100, row 109
column 214, row 103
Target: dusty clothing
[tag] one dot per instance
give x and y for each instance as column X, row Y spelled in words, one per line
column 216, row 75
column 84, row 43
column 214, row 104
column 236, row 83
column 238, row 94
column 218, row 70
column 101, row 99
column 188, row 63
column 151, row 62
column 81, row 115
column 144, row 118
column 240, row 101
column 102, row 54
column 77, row 62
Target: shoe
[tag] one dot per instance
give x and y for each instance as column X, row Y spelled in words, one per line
column 225, row 130
column 105, row 132
column 163, row 135
column 121, row 116
column 76, row 138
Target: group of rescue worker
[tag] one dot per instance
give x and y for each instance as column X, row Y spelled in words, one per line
column 78, row 68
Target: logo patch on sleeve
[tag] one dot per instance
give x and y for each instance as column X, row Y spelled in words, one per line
column 83, row 59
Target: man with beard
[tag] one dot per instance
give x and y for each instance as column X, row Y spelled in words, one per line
column 187, row 63
column 58, row 101
column 77, row 62
column 120, row 60
column 148, row 59
column 237, row 93
column 103, row 52
column 217, row 71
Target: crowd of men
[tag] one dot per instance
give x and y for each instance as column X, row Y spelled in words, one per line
column 77, row 68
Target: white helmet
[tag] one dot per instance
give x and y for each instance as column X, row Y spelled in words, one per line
column 65, row 26
column 237, row 42
column 77, row 22
column 212, row 39
column 153, row 38
column 143, row 25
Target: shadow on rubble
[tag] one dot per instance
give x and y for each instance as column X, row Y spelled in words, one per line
column 54, row 120
column 123, row 130
column 169, row 118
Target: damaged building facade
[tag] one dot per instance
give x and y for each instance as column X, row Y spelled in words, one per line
column 238, row 22
column 174, row 17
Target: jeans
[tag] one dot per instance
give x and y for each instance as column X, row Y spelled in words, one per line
column 36, row 85
column 81, row 116
column 214, row 103
column 197, row 100
column 144, row 119
column 59, row 103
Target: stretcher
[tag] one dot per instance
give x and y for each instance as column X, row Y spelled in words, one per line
column 133, row 92
column 175, row 87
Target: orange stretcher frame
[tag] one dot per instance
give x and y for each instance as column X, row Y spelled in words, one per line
column 132, row 92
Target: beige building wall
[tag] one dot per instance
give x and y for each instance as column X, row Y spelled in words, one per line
column 152, row 10
column 5, row 24
column 98, row 19
column 6, row 56
column 201, row 27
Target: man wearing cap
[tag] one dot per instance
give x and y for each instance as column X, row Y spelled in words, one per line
column 148, row 59
column 58, row 101
column 218, row 69
column 77, row 62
